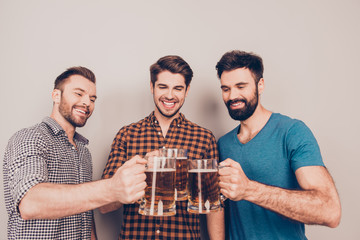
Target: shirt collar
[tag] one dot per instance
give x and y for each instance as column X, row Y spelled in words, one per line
column 57, row 129
column 178, row 121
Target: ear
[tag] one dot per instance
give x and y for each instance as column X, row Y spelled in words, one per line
column 187, row 90
column 56, row 95
column 261, row 86
column 151, row 88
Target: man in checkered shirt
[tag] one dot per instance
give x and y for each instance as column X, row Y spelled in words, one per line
column 48, row 169
column 165, row 127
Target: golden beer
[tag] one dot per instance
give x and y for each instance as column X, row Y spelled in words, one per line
column 181, row 178
column 203, row 191
column 159, row 197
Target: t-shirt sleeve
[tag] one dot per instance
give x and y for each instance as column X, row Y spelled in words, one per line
column 26, row 164
column 117, row 155
column 303, row 149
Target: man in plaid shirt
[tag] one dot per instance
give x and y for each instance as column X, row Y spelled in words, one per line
column 48, row 169
column 165, row 127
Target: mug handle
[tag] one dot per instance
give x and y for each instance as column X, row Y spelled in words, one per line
column 222, row 197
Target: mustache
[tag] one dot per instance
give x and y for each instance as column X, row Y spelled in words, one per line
column 228, row 103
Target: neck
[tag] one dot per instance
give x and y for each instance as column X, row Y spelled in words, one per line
column 68, row 128
column 164, row 121
column 253, row 125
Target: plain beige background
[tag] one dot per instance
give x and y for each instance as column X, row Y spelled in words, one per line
column 310, row 51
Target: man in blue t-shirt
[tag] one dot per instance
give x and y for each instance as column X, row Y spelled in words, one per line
column 276, row 180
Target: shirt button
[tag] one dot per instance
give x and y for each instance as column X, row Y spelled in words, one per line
column 155, row 121
column 72, row 147
column 158, row 231
column 159, row 133
column 178, row 125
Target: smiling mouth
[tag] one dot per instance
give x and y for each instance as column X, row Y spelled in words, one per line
column 82, row 111
column 236, row 104
column 168, row 104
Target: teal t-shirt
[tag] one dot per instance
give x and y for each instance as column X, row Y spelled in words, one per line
column 271, row 157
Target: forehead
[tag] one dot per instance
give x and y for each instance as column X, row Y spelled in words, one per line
column 236, row 76
column 170, row 79
column 80, row 82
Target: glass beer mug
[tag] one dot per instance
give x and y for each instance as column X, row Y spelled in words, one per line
column 159, row 199
column 203, row 186
column 181, row 170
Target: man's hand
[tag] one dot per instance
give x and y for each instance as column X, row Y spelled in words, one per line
column 128, row 183
column 233, row 181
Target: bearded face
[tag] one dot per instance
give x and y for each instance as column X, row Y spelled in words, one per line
column 249, row 106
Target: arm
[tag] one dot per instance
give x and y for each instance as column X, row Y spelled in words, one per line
column 116, row 205
column 216, row 225
column 215, row 220
column 51, row 201
column 316, row 203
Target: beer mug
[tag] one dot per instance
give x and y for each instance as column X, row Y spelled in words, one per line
column 181, row 170
column 159, row 199
column 203, row 186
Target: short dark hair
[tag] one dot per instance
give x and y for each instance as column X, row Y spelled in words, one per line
column 173, row 64
column 240, row 59
column 82, row 71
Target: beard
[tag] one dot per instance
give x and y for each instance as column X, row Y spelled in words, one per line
column 163, row 113
column 248, row 109
column 67, row 114
column 167, row 115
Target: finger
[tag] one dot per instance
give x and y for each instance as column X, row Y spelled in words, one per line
column 230, row 163
column 224, row 192
column 228, row 171
column 138, row 195
column 131, row 162
column 153, row 153
column 136, row 179
column 140, row 187
column 225, row 179
column 135, row 169
column 142, row 161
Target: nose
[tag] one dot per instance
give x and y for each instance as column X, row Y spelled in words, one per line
column 233, row 94
column 169, row 94
column 86, row 100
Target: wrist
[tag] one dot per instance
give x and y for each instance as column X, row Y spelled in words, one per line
column 107, row 190
column 252, row 188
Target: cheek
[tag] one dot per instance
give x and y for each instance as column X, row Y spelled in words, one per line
column 225, row 96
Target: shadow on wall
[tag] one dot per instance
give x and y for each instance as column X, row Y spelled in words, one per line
column 209, row 111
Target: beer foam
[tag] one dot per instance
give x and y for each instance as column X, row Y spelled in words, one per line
column 202, row 170
column 161, row 170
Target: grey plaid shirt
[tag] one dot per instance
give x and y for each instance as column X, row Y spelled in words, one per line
column 43, row 153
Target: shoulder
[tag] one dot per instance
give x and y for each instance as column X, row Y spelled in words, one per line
column 294, row 130
column 196, row 129
column 131, row 128
column 286, row 123
column 31, row 137
column 228, row 136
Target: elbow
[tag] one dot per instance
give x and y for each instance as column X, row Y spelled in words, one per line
column 334, row 216
column 103, row 210
column 26, row 210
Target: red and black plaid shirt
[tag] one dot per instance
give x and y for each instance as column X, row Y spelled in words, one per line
column 146, row 136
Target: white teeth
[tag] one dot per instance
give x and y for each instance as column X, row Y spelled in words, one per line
column 168, row 104
column 81, row 111
column 235, row 104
